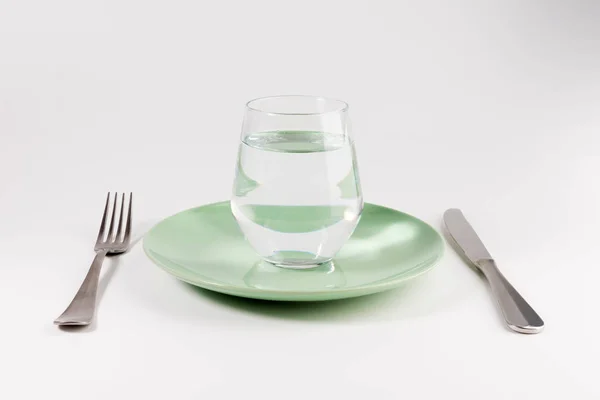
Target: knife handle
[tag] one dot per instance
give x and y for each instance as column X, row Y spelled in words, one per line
column 518, row 314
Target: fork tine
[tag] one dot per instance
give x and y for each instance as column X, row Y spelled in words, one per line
column 110, row 234
column 127, row 235
column 103, row 223
column 119, row 233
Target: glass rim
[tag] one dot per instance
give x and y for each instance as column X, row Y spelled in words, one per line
column 343, row 106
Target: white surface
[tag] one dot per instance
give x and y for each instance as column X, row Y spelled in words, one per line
column 490, row 107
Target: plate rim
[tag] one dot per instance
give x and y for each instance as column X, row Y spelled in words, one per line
column 247, row 291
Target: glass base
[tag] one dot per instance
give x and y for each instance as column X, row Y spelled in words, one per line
column 296, row 260
column 266, row 276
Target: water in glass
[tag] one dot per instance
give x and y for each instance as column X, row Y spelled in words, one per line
column 296, row 195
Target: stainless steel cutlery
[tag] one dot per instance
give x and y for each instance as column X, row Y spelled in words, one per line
column 112, row 239
column 517, row 312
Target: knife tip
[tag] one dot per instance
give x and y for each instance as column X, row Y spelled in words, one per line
column 452, row 211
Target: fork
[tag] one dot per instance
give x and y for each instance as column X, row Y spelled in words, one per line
column 116, row 241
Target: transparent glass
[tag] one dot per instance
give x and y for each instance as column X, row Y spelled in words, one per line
column 296, row 195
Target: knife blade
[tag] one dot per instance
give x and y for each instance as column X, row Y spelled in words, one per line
column 464, row 235
column 519, row 315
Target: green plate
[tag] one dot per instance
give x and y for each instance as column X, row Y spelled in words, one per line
column 204, row 246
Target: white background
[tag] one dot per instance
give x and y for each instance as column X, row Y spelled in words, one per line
column 492, row 107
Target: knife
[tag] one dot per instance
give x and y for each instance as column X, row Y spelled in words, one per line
column 518, row 314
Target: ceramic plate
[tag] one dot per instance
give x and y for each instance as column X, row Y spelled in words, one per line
column 204, row 246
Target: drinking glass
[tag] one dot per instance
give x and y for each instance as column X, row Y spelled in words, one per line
column 296, row 195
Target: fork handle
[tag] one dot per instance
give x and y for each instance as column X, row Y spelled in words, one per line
column 82, row 307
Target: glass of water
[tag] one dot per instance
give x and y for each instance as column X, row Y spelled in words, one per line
column 296, row 195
